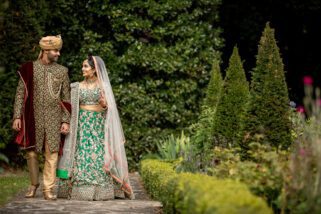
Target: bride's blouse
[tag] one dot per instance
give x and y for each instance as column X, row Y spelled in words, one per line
column 89, row 96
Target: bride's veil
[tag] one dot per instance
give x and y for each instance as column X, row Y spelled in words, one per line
column 115, row 156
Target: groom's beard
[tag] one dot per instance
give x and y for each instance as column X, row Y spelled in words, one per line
column 52, row 57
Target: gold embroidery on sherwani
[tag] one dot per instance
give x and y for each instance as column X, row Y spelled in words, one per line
column 17, row 110
column 48, row 112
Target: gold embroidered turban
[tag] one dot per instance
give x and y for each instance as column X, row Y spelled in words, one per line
column 51, row 42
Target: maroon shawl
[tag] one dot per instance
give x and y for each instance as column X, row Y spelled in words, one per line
column 26, row 136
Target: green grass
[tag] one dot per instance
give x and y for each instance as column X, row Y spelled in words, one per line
column 11, row 184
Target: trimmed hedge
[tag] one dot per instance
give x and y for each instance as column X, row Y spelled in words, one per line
column 196, row 193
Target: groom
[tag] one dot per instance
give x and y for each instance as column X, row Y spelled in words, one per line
column 41, row 112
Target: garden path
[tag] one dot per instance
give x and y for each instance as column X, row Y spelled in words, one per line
column 142, row 204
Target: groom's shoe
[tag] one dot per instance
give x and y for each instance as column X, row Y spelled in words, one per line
column 32, row 191
column 49, row 196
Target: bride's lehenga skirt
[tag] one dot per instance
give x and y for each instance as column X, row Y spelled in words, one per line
column 90, row 181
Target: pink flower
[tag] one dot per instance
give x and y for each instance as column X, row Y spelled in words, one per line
column 307, row 80
column 302, row 152
column 300, row 109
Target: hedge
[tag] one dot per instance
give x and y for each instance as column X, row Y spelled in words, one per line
column 196, row 193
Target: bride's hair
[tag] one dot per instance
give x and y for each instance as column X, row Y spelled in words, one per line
column 91, row 61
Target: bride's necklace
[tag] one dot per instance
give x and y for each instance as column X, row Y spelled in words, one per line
column 90, row 82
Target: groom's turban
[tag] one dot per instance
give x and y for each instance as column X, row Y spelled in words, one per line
column 51, row 42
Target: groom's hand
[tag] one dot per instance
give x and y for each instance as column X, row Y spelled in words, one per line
column 64, row 128
column 16, row 124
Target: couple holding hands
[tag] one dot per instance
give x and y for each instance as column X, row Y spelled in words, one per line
column 76, row 126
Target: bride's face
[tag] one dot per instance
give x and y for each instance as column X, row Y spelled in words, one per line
column 87, row 70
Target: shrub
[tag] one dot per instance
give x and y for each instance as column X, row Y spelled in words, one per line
column 202, row 131
column 267, row 119
column 214, row 87
column 173, row 148
column 157, row 177
column 262, row 172
column 231, row 107
column 196, row 193
column 303, row 175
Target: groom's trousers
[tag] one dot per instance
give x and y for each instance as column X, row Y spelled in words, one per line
column 49, row 171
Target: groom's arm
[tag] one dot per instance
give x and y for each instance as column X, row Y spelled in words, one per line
column 65, row 96
column 17, row 108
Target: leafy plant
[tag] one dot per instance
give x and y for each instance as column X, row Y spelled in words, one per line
column 4, row 159
column 196, row 193
column 173, row 148
column 302, row 189
column 262, row 172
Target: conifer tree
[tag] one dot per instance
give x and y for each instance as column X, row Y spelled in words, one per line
column 203, row 129
column 267, row 118
column 231, row 107
column 214, row 86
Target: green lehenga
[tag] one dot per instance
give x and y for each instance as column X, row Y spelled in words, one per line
column 90, row 181
column 87, row 179
column 93, row 165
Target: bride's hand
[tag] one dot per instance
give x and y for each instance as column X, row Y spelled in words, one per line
column 102, row 101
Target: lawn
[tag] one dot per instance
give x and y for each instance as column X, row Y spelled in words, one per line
column 11, row 184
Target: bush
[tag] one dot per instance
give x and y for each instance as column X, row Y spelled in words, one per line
column 173, row 148
column 267, row 119
column 262, row 172
column 202, row 131
column 196, row 193
column 231, row 107
column 303, row 175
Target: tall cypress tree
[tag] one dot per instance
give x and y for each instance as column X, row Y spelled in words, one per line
column 267, row 118
column 214, row 87
column 203, row 128
column 231, row 106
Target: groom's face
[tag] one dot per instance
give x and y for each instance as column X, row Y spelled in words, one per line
column 53, row 55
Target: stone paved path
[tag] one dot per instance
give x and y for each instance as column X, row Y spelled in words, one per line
column 142, row 204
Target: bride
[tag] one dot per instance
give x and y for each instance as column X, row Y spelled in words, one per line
column 93, row 165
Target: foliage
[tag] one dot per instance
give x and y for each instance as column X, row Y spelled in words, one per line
column 3, row 159
column 189, row 193
column 173, row 148
column 298, row 124
column 267, row 119
column 262, row 173
column 231, row 107
column 11, row 185
column 159, row 56
column 214, row 87
column 202, row 131
column 303, row 175
column 180, row 151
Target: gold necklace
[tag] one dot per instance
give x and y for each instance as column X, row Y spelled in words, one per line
column 90, row 82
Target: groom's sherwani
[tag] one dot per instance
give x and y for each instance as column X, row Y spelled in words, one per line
column 41, row 91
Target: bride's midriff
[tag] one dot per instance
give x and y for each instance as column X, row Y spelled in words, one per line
column 96, row 108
